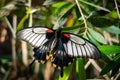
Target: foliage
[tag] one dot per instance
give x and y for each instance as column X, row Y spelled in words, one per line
column 96, row 20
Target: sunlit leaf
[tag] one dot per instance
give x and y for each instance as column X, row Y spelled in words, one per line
column 96, row 35
column 92, row 39
column 113, row 29
column 109, row 49
column 80, row 71
column 60, row 8
column 113, row 14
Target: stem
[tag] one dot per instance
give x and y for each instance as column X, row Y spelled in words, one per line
column 30, row 14
column 24, row 44
column 14, row 54
column 47, row 71
column 14, row 41
column 80, row 70
column 118, row 13
column 10, row 27
column 37, row 65
column 98, row 68
column 85, row 22
column 117, row 8
column 104, row 3
column 87, row 65
column 24, row 53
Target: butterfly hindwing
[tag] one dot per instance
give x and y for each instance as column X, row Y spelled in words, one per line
column 77, row 46
column 60, row 59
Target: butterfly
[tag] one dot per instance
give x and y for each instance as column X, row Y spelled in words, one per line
column 61, row 48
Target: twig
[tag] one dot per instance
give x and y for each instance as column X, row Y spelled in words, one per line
column 87, row 64
column 30, row 14
column 95, row 64
column 85, row 22
column 98, row 68
column 117, row 8
column 14, row 41
column 14, row 24
column 10, row 27
column 104, row 3
column 118, row 75
column 37, row 65
column 24, row 53
column 48, row 70
column 96, row 6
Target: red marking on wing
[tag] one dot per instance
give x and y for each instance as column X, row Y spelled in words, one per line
column 50, row 31
column 67, row 35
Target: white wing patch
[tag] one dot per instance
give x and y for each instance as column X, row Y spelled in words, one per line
column 76, row 39
column 79, row 47
column 39, row 30
column 36, row 36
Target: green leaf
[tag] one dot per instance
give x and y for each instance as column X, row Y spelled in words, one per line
column 113, row 29
column 97, row 36
column 60, row 8
column 99, row 21
column 109, row 49
column 49, row 2
column 107, row 68
column 69, row 29
column 81, row 75
column 62, row 19
column 96, row 6
column 111, row 65
column 92, row 39
column 106, row 58
column 22, row 22
column 113, row 14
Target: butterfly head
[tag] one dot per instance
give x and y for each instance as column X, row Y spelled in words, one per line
column 58, row 32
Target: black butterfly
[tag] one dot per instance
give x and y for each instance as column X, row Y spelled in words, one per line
column 61, row 48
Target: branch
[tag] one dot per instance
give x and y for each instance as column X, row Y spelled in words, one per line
column 85, row 22
column 117, row 8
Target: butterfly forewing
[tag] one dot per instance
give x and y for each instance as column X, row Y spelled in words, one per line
column 76, row 46
column 35, row 36
column 77, row 39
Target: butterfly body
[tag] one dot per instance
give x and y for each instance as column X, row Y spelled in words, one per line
column 61, row 48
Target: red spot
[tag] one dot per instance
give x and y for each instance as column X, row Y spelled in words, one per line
column 50, row 31
column 67, row 35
